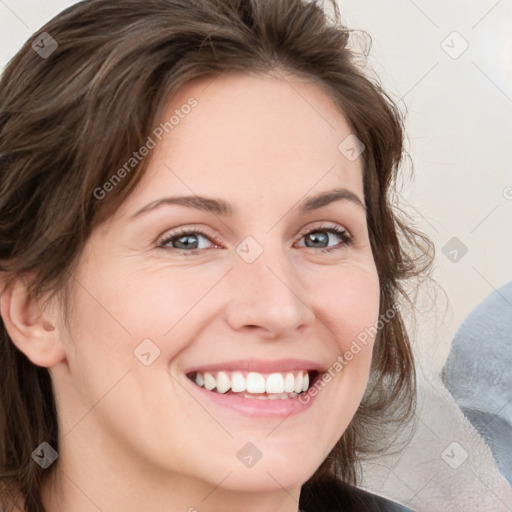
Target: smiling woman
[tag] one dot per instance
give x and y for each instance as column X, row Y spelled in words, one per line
column 220, row 329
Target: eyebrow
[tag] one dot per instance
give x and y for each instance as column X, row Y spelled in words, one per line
column 222, row 207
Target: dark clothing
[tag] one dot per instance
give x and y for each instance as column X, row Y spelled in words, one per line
column 332, row 495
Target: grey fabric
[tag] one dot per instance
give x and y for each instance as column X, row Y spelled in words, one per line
column 478, row 373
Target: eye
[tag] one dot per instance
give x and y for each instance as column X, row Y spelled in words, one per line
column 184, row 240
column 318, row 236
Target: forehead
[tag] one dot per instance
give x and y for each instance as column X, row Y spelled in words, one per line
column 260, row 137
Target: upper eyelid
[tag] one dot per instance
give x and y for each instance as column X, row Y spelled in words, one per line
column 175, row 233
column 328, row 228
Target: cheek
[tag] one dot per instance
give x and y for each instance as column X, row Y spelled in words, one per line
column 126, row 306
column 351, row 312
column 350, row 305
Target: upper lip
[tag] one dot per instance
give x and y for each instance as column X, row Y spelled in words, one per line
column 259, row 365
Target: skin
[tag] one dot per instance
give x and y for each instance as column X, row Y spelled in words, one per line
column 132, row 438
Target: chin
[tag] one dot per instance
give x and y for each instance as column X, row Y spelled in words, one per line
column 275, row 470
column 270, row 478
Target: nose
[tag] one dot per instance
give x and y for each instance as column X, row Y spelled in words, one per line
column 265, row 297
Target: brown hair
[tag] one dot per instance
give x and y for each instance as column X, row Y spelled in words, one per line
column 69, row 120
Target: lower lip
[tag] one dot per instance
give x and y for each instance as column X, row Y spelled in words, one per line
column 254, row 407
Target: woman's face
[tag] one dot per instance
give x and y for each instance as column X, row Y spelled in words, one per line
column 250, row 294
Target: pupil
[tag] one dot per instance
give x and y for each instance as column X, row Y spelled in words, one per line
column 316, row 237
column 187, row 243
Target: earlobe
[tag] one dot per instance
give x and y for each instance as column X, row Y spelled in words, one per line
column 31, row 328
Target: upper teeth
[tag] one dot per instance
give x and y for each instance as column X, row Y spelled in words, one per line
column 254, row 382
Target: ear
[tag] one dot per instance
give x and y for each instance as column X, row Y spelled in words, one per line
column 33, row 330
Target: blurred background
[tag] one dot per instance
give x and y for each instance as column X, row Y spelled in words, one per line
column 449, row 67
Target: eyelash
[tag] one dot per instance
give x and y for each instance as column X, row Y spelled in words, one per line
column 341, row 233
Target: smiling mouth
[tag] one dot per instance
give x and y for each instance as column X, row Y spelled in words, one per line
column 255, row 385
